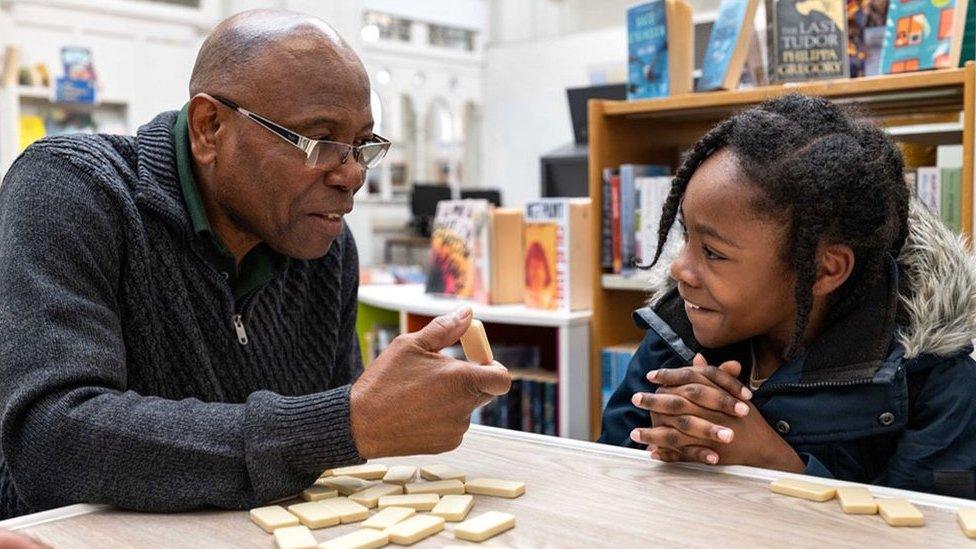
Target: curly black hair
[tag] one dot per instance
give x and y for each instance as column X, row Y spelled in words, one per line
column 831, row 175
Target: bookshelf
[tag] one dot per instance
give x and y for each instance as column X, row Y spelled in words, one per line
column 563, row 339
column 110, row 113
column 932, row 107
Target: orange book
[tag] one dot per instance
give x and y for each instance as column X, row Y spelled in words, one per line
column 460, row 255
column 558, row 254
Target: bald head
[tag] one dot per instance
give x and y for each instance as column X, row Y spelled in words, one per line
column 241, row 50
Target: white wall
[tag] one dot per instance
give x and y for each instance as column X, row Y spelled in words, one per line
column 525, row 110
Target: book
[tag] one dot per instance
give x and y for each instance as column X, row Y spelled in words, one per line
column 507, row 274
column 558, row 254
column 951, row 197
column 807, row 40
column 653, row 193
column 866, row 21
column 660, row 49
column 606, row 225
column 460, row 253
column 31, row 129
column 614, row 362
column 923, row 34
column 629, row 206
column 11, row 66
column 728, row 45
column 929, row 188
column 616, row 250
column 968, row 50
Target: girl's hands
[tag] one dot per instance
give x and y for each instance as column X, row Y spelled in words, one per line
column 700, row 413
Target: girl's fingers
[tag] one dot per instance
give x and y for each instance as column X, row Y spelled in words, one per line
column 666, row 437
column 699, row 454
column 708, row 397
column 697, row 427
column 721, row 377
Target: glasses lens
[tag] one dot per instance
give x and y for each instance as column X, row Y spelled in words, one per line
column 327, row 155
column 371, row 155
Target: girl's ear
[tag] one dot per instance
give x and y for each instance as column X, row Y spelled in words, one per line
column 834, row 265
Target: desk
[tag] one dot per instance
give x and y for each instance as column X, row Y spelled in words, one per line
column 578, row 494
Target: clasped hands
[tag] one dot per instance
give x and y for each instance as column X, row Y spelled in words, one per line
column 702, row 413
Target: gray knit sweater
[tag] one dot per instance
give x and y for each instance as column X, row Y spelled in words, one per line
column 122, row 380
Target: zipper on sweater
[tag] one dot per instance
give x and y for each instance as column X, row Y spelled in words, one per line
column 239, row 318
column 239, row 328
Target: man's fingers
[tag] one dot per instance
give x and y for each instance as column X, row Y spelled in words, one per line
column 444, row 330
column 489, row 379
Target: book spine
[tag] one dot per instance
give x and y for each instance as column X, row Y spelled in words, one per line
column 526, row 405
column 627, row 199
column 538, row 407
column 615, row 223
column 606, row 229
column 606, row 377
column 549, row 409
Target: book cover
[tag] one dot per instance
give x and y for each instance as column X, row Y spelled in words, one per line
column 527, row 396
column 659, row 49
column 647, row 50
column 929, row 188
column 866, row 21
column 538, row 406
column 460, row 252
column 968, row 51
column 923, row 34
column 628, row 210
column 654, row 193
column 807, row 40
column 728, row 45
column 951, row 198
column 558, row 254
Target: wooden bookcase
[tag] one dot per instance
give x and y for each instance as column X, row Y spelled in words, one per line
column 934, row 107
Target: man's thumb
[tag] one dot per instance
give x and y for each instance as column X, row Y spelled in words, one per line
column 444, row 330
column 491, row 379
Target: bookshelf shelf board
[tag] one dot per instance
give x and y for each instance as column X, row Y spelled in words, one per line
column 412, row 299
column 901, row 93
column 41, row 93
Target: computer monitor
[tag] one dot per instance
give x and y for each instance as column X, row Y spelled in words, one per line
column 423, row 205
column 578, row 97
column 491, row 195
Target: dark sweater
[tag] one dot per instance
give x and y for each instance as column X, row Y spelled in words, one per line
column 122, row 379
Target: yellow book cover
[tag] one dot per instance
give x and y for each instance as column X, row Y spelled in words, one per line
column 31, row 129
column 460, row 252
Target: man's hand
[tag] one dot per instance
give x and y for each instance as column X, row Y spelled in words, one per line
column 413, row 400
column 697, row 416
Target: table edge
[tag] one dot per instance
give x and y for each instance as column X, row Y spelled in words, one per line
column 930, row 500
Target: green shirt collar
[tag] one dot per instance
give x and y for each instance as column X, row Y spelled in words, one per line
column 260, row 265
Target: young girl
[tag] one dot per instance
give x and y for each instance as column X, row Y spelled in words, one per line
column 816, row 319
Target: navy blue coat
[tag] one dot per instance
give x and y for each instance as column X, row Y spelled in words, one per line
column 852, row 406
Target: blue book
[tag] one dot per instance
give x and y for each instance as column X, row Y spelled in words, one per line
column 659, row 49
column 606, row 376
column 628, row 209
column 728, row 45
column 923, row 34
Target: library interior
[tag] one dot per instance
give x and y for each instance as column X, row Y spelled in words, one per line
column 534, row 273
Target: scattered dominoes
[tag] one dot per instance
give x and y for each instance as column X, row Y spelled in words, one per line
column 346, row 494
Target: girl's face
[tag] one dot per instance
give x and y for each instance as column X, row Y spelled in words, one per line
column 730, row 271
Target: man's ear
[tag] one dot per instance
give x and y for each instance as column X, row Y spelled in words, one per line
column 835, row 262
column 203, row 121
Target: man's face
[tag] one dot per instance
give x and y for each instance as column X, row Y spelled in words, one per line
column 262, row 181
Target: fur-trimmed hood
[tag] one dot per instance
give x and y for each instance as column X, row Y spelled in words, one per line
column 938, row 292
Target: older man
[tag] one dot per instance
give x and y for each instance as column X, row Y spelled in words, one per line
column 178, row 312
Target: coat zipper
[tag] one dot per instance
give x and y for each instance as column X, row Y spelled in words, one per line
column 793, row 387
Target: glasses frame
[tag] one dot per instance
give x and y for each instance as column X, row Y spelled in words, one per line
column 306, row 144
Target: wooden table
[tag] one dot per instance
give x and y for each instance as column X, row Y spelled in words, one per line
column 578, row 494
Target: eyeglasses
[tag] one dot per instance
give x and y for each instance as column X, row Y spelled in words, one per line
column 320, row 153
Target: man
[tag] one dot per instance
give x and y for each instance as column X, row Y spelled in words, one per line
column 178, row 313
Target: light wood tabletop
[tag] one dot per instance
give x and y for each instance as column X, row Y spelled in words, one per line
column 578, row 494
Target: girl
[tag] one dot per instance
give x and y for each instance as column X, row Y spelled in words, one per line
column 839, row 312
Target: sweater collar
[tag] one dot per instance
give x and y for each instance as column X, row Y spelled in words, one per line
column 158, row 187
